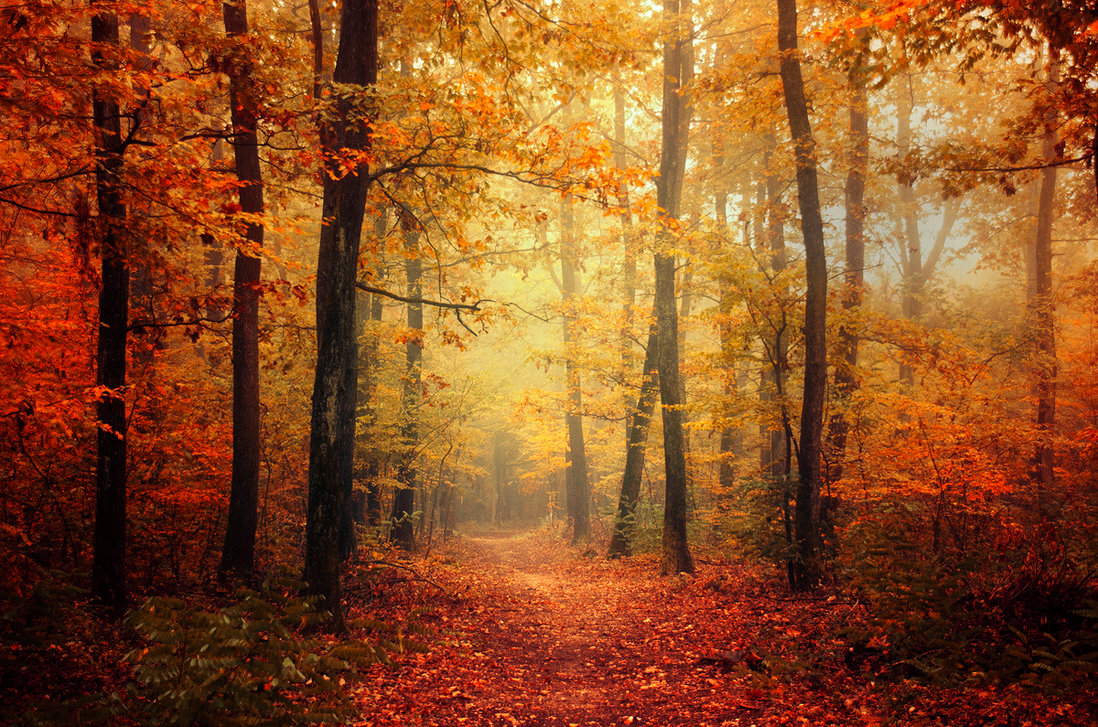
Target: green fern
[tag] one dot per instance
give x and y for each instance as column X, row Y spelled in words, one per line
column 245, row 665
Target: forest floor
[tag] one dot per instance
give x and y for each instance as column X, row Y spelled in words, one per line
column 527, row 631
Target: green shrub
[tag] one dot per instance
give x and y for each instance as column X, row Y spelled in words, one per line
column 244, row 665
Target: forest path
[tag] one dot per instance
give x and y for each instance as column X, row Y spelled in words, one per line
column 534, row 633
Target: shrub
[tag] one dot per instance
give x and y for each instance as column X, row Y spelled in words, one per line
column 247, row 664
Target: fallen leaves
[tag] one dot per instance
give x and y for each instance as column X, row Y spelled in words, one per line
column 538, row 637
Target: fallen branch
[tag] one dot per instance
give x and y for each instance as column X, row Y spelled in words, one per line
column 411, row 570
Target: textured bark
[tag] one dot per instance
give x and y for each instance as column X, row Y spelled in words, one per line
column 109, row 554
column 238, row 553
column 404, row 498
column 675, row 125
column 806, row 570
column 331, row 440
column 577, row 486
column 636, row 437
column 853, row 277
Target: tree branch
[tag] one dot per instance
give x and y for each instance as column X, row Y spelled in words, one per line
column 475, row 307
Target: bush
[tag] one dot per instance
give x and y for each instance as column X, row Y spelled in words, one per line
column 244, row 665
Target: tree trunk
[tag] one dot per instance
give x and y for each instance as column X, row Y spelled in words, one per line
column 621, row 542
column 675, row 124
column 774, row 457
column 1043, row 309
column 238, row 554
column 577, row 486
column 806, row 570
column 331, row 441
column 853, row 277
column 404, row 499
column 726, row 471
column 109, row 556
column 629, row 252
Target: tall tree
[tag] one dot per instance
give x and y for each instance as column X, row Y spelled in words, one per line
column 577, row 486
column 915, row 268
column 675, row 126
column 640, row 416
column 1042, row 305
column 345, row 135
column 109, row 556
column 854, row 275
column 806, row 570
column 238, row 554
column 636, row 436
column 404, row 498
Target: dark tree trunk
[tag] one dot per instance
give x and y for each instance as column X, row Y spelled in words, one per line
column 853, row 277
column 364, row 491
column 331, row 441
column 109, row 556
column 577, row 486
column 675, row 123
column 806, row 570
column 404, row 499
column 636, row 436
column 238, row 554
column 636, row 428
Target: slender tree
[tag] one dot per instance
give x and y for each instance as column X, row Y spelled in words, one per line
column 109, row 555
column 404, row 498
column 577, row 486
column 621, row 541
column 853, row 276
column 675, row 125
column 238, row 554
column 331, row 441
column 1042, row 305
column 806, row 570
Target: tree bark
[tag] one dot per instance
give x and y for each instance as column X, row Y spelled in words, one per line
column 846, row 382
column 806, row 570
column 675, row 125
column 109, row 555
column 621, row 542
column 331, row 440
column 238, row 553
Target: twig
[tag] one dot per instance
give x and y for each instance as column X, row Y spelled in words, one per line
column 413, row 571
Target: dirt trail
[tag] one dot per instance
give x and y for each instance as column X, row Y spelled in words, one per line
column 547, row 637
column 530, row 632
